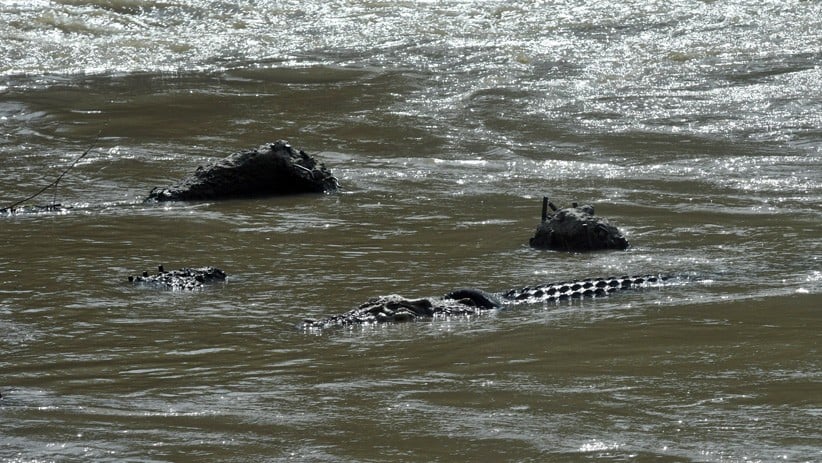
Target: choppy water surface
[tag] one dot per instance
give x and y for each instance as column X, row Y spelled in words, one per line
column 694, row 126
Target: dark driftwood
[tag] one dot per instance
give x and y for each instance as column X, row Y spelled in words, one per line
column 54, row 205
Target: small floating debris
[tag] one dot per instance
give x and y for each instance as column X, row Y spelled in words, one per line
column 38, row 209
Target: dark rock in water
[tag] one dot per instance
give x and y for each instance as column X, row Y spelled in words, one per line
column 270, row 170
column 577, row 229
column 180, row 280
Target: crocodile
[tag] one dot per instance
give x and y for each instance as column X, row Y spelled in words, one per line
column 184, row 279
column 396, row 308
column 473, row 301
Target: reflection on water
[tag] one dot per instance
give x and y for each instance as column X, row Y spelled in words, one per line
column 694, row 128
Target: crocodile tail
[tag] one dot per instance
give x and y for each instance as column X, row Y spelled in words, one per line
column 593, row 287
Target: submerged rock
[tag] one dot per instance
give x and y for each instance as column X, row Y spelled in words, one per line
column 576, row 229
column 269, row 170
column 179, row 280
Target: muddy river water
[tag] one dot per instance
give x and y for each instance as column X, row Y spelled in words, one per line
column 693, row 126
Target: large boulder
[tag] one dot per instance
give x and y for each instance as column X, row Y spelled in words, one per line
column 576, row 229
column 270, row 170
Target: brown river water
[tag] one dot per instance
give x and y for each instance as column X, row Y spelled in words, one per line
column 445, row 126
